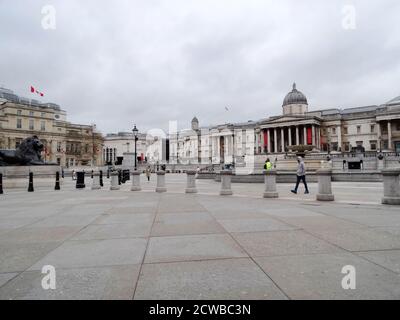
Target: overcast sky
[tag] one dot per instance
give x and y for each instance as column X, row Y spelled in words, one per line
column 147, row 62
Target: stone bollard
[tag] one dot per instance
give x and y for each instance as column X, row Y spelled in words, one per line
column 226, row 178
column 57, row 186
column 161, row 182
column 270, row 184
column 96, row 181
column 325, row 185
column 135, row 181
column 191, row 182
column 101, row 178
column 391, row 186
column 1, row 183
column 114, row 180
column 80, row 180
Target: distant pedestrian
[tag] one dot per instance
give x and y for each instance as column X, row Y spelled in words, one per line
column 267, row 165
column 301, row 175
column 148, row 173
column 197, row 171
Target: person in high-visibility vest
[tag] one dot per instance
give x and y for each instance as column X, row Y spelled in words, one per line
column 267, row 165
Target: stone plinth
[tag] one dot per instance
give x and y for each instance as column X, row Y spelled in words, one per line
column 391, row 186
column 11, row 172
column 135, row 181
column 325, row 185
column 270, row 184
column 191, row 182
column 161, row 182
column 226, row 178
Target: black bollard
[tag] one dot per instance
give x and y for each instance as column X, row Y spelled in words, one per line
column 92, row 175
column 101, row 178
column 62, row 173
column 80, row 180
column 119, row 177
column 108, row 173
column 30, row 187
column 1, row 183
column 57, row 187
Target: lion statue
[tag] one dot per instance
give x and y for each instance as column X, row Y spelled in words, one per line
column 27, row 153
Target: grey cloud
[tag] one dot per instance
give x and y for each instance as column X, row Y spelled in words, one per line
column 148, row 62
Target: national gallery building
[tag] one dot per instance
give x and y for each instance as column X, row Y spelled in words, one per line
column 368, row 129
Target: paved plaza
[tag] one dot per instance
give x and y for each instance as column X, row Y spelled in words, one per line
column 144, row 245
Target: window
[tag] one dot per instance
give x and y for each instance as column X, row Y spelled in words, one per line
column 358, row 129
column 19, row 123
column 31, row 113
column 31, row 125
column 333, row 130
column 372, row 128
column 373, row 144
column 58, row 146
column 19, row 112
column 43, row 125
column 359, row 143
column 42, row 114
column 346, row 146
column 345, row 130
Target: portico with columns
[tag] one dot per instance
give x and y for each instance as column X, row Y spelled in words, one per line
column 278, row 136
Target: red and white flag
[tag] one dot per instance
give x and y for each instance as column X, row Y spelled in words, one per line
column 33, row 90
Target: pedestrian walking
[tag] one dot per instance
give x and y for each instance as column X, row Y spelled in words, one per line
column 148, row 173
column 301, row 175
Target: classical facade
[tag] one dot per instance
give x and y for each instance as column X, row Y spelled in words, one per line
column 373, row 128
column 65, row 143
column 122, row 144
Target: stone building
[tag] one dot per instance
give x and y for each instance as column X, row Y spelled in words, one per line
column 122, row 144
column 371, row 129
column 65, row 143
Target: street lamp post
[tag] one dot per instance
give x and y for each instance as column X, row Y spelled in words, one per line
column 135, row 133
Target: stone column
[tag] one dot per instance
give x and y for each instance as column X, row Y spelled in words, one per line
column 161, row 182
column 191, row 181
column 314, row 140
column 270, row 184
column 379, row 136
column 290, row 135
column 305, row 135
column 389, row 128
column 275, row 141
column 283, row 140
column 391, row 186
column 226, row 178
column 135, row 181
column 339, row 136
column 325, row 185
column 114, row 180
column 96, row 181
column 257, row 142
column 269, row 140
column 297, row 136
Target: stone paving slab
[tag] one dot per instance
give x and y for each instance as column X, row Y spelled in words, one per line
column 92, row 253
column 288, row 242
column 319, row 277
column 169, row 224
column 214, row 279
column 114, row 282
column 254, row 225
column 193, row 247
